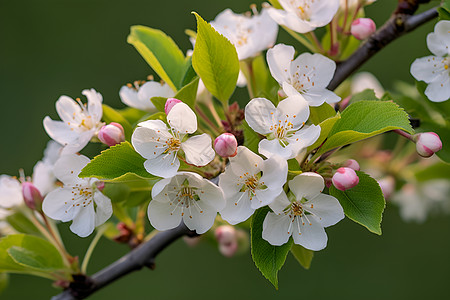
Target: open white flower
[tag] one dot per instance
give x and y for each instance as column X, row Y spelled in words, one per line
column 304, row 15
column 308, row 74
column 10, row 192
column 186, row 196
column 249, row 34
column 434, row 69
column 79, row 199
column 139, row 96
column 304, row 218
column 282, row 125
column 160, row 144
column 249, row 182
column 79, row 123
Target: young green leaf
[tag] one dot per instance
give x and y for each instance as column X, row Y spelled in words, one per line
column 365, row 119
column 188, row 94
column 321, row 113
column 367, row 94
column 302, row 255
column 161, row 53
column 215, row 60
column 115, row 162
column 364, row 203
column 269, row 259
column 22, row 224
column 159, row 103
column 251, row 138
column 325, row 128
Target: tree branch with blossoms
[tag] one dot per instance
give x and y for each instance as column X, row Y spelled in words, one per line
column 159, row 157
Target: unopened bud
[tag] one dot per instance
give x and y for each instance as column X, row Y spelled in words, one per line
column 31, row 195
column 427, row 143
column 111, row 134
column 362, row 28
column 352, row 164
column 171, row 102
column 100, row 185
column 226, row 145
column 226, row 236
column 345, row 178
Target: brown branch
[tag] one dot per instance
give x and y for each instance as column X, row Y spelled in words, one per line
column 142, row 256
column 399, row 24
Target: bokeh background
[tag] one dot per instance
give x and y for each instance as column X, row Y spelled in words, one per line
column 50, row 48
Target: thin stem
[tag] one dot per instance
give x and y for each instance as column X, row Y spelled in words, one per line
column 312, row 37
column 301, row 39
column 91, row 248
column 205, row 118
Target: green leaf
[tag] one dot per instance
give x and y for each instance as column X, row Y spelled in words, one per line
column 325, row 128
column 159, row 103
column 20, row 253
column 302, row 255
column 215, row 60
column 269, row 259
column 112, row 115
column 4, row 281
column 22, row 224
column 442, row 108
column 413, row 107
column 444, row 135
column 188, row 94
column 117, row 192
column 189, row 73
column 350, row 47
column 161, row 53
column 132, row 115
column 439, row 170
column 276, row 4
column 321, row 113
column 115, row 162
column 364, row 203
column 444, row 11
column 367, row 94
column 137, row 198
column 251, row 138
column 365, row 119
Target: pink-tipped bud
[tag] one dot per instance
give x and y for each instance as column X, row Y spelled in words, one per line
column 352, row 164
column 226, row 236
column 31, row 195
column 427, row 143
column 111, row 134
column 100, row 185
column 171, row 102
column 226, row 145
column 362, row 28
column 345, row 178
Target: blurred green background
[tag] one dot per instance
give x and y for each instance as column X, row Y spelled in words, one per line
column 51, row 48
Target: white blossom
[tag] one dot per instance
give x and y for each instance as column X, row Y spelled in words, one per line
column 160, row 144
column 249, row 34
column 139, row 96
column 365, row 80
column 79, row 200
column 80, row 122
column 282, row 125
column 434, row 69
column 249, row 182
column 186, row 196
column 304, row 15
column 305, row 217
column 308, row 74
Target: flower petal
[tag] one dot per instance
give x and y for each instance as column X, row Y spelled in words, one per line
column 439, row 41
column 303, row 138
column 276, row 229
column 280, row 203
column 95, row 100
column 307, row 185
column 274, row 172
column 60, row 131
column 200, row 220
column 245, row 161
column 68, row 110
column 428, row 68
column 43, row 177
column 163, row 216
column 58, row 205
column 81, row 141
column 84, row 222
column 158, row 188
column 268, row 148
column 212, row 195
column 152, row 89
column 259, row 114
column 198, row 150
column 279, row 59
column 317, row 96
column 103, row 210
column 290, row 20
column 313, row 70
column 439, row 89
column 310, row 235
column 295, row 109
column 264, row 197
column 10, row 192
column 151, row 143
column 182, row 118
column 326, row 208
column 237, row 209
column 165, row 165
column 67, row 168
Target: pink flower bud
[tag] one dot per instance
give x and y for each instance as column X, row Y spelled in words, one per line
column 111, row 134
column 226, row 145
column 100, row 185
column 362, row 28
column 345, row 178
column 170, row 103
column 352, row 164
column 228, row 249
column 31, row 195
column 226, row 236
column 427, row 143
